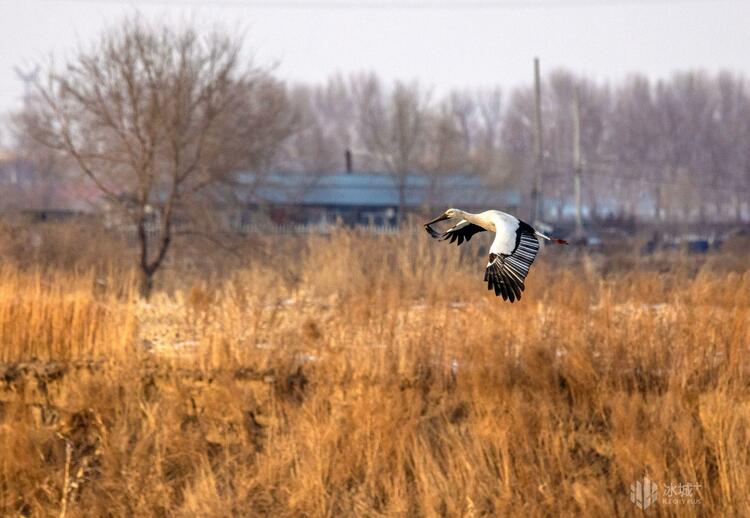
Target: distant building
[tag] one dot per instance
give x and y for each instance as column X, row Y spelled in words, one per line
column 364, row 198
column 356, row 198
column 46, row 197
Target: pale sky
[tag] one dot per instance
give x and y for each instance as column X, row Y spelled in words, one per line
column 441, row 43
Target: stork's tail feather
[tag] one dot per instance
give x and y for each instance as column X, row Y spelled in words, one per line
column 553, row 239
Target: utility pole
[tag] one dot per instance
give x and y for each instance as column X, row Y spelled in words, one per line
column 577, row 160
column 537, row 195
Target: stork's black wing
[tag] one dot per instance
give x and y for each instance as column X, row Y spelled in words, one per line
column 461, row 231
column 506, row 273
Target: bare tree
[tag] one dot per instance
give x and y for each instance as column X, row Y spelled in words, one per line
column 155, row 117
column 392, row 128
column 489, row 155
column 39, row 169
column 449, row 136
column 326, row 128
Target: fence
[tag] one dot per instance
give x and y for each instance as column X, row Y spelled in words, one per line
column 152, row 231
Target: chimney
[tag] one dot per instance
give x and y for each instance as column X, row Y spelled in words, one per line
column 348, row 158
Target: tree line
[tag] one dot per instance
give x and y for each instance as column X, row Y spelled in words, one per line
column 159, row 119
column 671, row 149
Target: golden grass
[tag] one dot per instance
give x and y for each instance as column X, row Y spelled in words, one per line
column 356, row 377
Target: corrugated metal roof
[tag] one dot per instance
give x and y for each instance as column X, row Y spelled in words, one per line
column 377, row 190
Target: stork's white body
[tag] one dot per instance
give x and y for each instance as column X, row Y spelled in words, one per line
column 512, row 252
column 502, row 224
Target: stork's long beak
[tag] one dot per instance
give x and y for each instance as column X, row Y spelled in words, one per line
column 439, row 218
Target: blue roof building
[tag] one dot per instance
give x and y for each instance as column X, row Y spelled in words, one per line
column 369, row 197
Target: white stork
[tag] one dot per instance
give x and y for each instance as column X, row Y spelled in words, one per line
column 511, row 254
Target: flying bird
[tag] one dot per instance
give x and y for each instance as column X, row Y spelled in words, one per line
column 511, row 254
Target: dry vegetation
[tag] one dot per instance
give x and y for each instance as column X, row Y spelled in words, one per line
column 358, row 377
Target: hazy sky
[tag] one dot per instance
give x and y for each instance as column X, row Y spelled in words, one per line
column 442, row 43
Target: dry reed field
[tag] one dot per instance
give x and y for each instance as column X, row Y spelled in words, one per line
column 375, row 376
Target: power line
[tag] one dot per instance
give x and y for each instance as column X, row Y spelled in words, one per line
column 451, row 5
